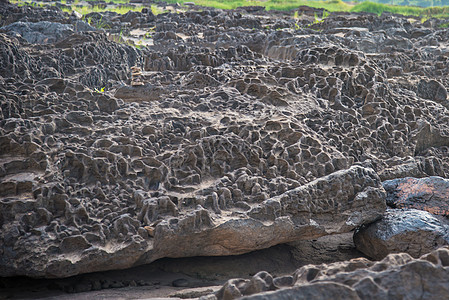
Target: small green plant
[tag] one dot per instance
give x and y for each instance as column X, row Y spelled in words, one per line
column 67, row 9
column 100, row 24
column 319, row 19
column 139, row 45
column 297, row 27
column 296, row 18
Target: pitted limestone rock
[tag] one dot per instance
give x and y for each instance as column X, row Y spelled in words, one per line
column 225, row 136
column 396, row 276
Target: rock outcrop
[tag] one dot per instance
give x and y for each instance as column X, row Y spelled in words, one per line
column 397, row 276
column 229, row 133
column 417, row 222
column 42, row 32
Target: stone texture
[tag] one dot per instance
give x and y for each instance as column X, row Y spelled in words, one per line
column 402, row 230
column 337, row 202
column 430, row 194
column 397, row 276
column 42, row 32
column 230, row 132
column 294, row 215
column 432, row 90
column 139, row 93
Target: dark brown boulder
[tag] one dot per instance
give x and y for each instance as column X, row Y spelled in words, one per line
column 412, row 231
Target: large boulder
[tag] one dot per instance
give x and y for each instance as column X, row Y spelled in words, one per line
column 333, row 203
column 412, row 231
column 430, row 194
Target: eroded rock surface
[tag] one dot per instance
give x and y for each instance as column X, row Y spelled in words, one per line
column 42, row 32
column 397, row 276
column 232, row 132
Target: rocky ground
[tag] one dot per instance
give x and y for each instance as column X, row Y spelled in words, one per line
column 231, row 132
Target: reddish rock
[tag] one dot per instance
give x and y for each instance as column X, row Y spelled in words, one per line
column 430, row 194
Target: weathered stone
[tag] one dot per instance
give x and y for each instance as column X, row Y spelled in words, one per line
column 348, row 198
column 229, row 135
column 283, row 281
column 326, row 249
column 325, row 290
column 42, row 32
column 428, row 136
column 432, row 90
column 294, row 215
column 398, row 276
column 412, row 231
column 139, row 93
column 430, row 194
column 81, row 26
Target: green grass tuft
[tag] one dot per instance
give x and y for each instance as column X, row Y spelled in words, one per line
column 329, row 5
column 378, row 8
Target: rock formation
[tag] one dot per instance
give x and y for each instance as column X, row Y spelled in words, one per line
column 398, row 276
column 412, row 231
column 245, row 130
column 417, row 222
column 430, row 194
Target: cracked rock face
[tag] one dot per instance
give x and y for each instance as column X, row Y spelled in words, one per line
column 225, row 136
